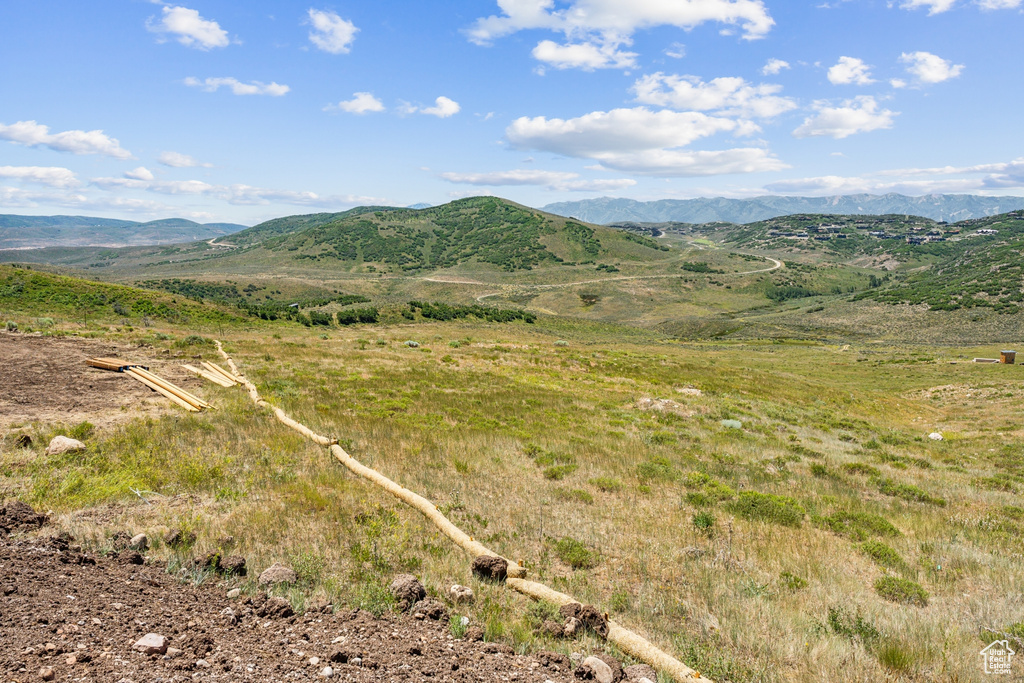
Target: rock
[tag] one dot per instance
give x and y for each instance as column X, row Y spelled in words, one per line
column 179, row 539
column 202, row 664
column 571, row 627
column 431, row 609
column 130, row 557
column 327, row 672
column 151, row 644
column 613, row 665
column 474, row 634
column 62, row 444
column 490, row 568
column 689, row 391
column 229, row 616
column 935, row 436
column 277, row 573
column 234, row 565
column 172, row 652
column 314, row 661
column 46, row 673
column 25, row 441
column 637, row 672
column 139, row 542
column 407, row 590
column 553, row 629
column 593, row 669
column 276, row 607
column 460, row 594
column 19, row 516
column 234, row 593
column 645, row 680
column 588, row 616
column 412, row 344
column 210, row 560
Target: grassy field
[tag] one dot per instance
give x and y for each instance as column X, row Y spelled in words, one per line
column 824, row 538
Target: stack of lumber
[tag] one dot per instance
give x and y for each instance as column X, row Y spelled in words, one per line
column 115, row 364
column 215, row 374
column 188, row 401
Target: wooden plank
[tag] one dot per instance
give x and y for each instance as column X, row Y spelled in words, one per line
column 216, row 379
column 160, row 390
column 213, row 367
column 178, row 391
column 115, row 364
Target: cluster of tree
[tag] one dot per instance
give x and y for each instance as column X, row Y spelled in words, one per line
column 700, row 267
column 442, row 311
column 646, row 241
column 583, row 236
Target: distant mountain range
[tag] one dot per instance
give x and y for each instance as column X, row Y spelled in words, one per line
column 940, row 207
column 35, row 232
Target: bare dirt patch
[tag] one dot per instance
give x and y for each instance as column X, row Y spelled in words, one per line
column 77, row 615
column 45, row 380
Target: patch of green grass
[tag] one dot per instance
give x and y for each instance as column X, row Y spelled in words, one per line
column 606, row 484
column 852, row 626
column 768, row 507
column 883, row 554
column 903, row 591
column 704, row 522
column 657, row 469
column 857, row 526
column 559, row 472
column 896, row 657
column 711, row 489
column 575, row 496
column 575, row 554
column 791, row 581
column 909, row 492
column 861, row 468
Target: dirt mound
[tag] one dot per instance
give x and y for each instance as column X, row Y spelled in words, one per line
column 19, row 516
column 82, row 620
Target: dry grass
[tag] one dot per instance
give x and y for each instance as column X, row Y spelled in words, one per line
column 476, row 432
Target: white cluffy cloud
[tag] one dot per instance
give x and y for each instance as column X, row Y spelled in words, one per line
column 850, row 70
column 32, row 134
column 642, row 141
column 981, row 178
column 554, row 180
column 596, row 29
column 361, row 103
column 330, row 32
column 238, row 194
column 442, row 109
column 140, row 173
column 586, row 56
column 237, row 87
column 940, row 6
column 928, row 68
column 178, row 160
column 54, row 176
column 189, row 29
column 859, row 115
column 727, row 95
column 774, row 66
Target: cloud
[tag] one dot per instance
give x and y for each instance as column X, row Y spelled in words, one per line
column 995, row 178
column 32, row 134
column 898, row 83
column 140, row 173
column 586, row 56
column 939, row 6
column 189, row 29
column 443, row 108
column 54, row 176
column 238, row 194
column 330, row 32
column 774, row 66
column 859, row 115
column 850, row 70
column 676, row 51
column 730, row 96
column 928, row 68
column 237, row 87
column 639, row 140
column 361, row 103
column 999, row 4
column 615, row 20
column 553, row 180
column 178, row 160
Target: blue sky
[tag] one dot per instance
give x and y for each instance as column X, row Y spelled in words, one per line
column 227, row 111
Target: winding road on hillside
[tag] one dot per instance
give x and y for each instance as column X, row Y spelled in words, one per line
column 776, row 265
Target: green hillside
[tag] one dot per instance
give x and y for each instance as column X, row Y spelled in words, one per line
column 481, row 230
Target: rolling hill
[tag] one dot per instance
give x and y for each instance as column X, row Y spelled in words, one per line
column 37, row 232
column 606, row 210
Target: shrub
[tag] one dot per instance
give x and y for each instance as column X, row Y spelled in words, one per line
column 193, row 340
column 575, row 496
column 904, row 591
column 606, row 484
column 704, row 522
column 852, row 626
column 710, row 489
column 792, row 582
column 821, row 471
column 559, row 472
column 82, row 431
column 857, row 526
column 12, row 326
column 908, row 492
column 561, row 342
column 657, row 469
column 861, row 468
column 883, row 554
column 895, row 656
column 768, row 507
column 575, row 554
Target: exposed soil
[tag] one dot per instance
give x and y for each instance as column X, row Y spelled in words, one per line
column 46, row 380
column 80, row 615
